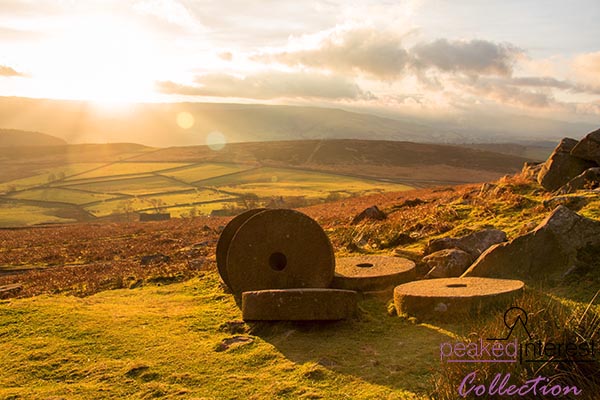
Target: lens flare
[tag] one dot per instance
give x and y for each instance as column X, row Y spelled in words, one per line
column 185, row 120
column 216, row 140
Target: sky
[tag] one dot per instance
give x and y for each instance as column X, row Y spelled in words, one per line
column 412, row 57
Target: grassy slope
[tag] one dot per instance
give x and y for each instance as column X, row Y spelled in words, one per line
column 162, row 341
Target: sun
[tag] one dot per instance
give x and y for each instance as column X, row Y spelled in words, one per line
column 103, row 59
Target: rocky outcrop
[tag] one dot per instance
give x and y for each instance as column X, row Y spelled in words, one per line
column 531, row 169
column 574, row 203
column 372, row 212
column 588, row 179
column 447, row 263
column 474, row 243
column 548, row 252
column 562, row 166
column 588, row 148
column 154, row 259
column 11, row 290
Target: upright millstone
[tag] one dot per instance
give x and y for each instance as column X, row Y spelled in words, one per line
column 225, row 240
column 279, row 249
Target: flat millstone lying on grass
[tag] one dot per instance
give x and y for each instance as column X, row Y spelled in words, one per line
column 433, row 298
column 372, row 273
column 298, row 305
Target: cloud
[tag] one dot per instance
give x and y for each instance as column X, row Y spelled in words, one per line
column 586, row 68
column 549, row 82
column 28, row 8
column 530, row 93
column 501, row 92
column 545, row 81
column 226, row 56
column 367, row 51
column 252, row 25
column 474, row 56
column 10, row 34
column 381, row 55
column 268, row 85
column 9, row 72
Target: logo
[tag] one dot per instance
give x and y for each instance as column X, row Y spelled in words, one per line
column 510, row 350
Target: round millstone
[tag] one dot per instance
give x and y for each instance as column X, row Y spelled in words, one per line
column 439, row 298
column 279, row 249
column 372, row 273
column 298, row 305
column 225, row 240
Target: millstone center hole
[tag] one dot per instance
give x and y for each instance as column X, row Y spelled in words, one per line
column 277, row 261
column 364, row 265
column 453, row 285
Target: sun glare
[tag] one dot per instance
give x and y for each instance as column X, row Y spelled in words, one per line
column 185, row 120
column 216, row 140
column 102, row 59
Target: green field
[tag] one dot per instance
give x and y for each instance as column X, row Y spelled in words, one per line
column 128, row 168
column 182, row 189
column 61, row 195
column 22, row 214
column 291, row 182
column 204, row 171
column 183, row 200
column 134, row 186
column 47, row 175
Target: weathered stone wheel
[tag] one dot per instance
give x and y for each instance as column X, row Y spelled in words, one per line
column 372, row 273
column 441, row 298
column 225, row 240
column 298, row 305
column 279, row 249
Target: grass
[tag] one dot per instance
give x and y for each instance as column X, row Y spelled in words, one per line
column 204, row 171
column 104, row 189
column 267, row 181
column 550, row 319
column 61, row 195
column 167, row 341
column 133, row 186
column 42, row 177
column 129, row 168
column 198, row 209
column 188, row 198
column 163, row 341
column 12, row 215
column 181, row 200
column 512, row 205
column 71, row 336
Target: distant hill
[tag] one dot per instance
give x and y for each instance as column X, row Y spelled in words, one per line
column 15, row 138
column 22, row 161
column 390, row 160
column 345, row 151
column 155, row 124
column 422, row 164
column 538, row 152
